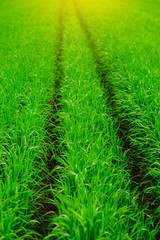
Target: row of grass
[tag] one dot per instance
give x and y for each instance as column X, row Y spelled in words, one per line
column 92, row 190
column 28, row 39
column 126, row 34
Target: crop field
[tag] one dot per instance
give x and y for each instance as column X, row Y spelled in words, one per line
column 80, row 119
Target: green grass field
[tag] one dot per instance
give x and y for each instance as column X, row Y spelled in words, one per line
column 80, row 119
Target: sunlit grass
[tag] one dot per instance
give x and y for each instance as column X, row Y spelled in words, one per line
column 92, row 191
column 28, row 36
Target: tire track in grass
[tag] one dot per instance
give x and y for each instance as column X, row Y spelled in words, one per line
column 137, row 175
column 102, row 69
column 47, row 207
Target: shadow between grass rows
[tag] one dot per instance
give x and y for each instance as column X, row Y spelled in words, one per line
column 46, row 207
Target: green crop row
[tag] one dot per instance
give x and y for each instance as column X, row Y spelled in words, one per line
column 28, row 36
column 125, row 34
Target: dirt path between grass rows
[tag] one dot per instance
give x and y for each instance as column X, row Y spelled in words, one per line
column 47, row 207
